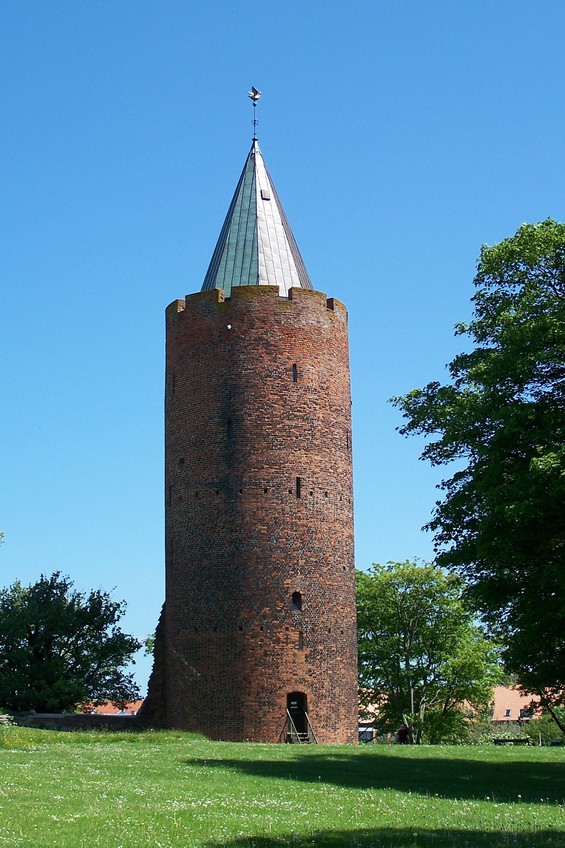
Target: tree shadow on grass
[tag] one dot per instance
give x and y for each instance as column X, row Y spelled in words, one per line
column 402, row 838
column 518, row 781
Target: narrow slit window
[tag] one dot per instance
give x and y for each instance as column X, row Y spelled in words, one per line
column 300, row 640
column 295, row 373
column 298, row 486
column 297, row 601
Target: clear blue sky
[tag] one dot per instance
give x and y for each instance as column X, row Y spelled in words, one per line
column 400, row 136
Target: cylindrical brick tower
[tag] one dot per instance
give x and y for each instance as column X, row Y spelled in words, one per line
column 258, row 637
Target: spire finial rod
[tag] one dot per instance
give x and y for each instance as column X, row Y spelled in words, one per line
column 254, row 94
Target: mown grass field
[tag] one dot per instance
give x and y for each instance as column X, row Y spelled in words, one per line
column 69, row 790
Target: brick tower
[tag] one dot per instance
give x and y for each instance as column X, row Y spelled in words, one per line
column 257, row 640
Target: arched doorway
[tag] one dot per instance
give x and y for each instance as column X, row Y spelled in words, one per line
column 297, row 706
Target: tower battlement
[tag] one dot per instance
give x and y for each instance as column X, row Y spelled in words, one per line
column 249, row 294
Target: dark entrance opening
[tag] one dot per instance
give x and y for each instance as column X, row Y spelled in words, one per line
column 296, row 704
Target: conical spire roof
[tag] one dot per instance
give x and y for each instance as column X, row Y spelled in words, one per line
column 256, row 246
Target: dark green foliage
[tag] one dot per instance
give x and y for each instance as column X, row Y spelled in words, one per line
column 422, row 660
column 544, row 728
column 447, row 726
column 502, row 417
column 149, row 645
column 60, row 648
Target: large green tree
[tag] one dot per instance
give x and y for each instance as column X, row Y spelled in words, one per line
column 501, row 418
column 422, row 660
column 60, row 648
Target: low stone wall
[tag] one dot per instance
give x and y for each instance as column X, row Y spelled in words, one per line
column 76, row 721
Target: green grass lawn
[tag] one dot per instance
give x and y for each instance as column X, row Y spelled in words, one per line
column 170, row 789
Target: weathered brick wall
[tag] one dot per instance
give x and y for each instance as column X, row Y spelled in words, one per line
column 153, row 711
column 258, row 507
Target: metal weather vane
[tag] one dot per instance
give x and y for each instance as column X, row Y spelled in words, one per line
column 254, row 94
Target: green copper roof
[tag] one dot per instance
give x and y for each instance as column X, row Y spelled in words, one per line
column 256, row 246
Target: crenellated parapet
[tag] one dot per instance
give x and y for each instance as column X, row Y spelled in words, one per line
column 259, row 294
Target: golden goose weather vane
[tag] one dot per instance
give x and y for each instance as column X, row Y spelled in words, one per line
column 254, row 94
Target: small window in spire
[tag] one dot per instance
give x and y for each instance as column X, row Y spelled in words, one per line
column 265, row 194
column 296, row 602
column 295, row 373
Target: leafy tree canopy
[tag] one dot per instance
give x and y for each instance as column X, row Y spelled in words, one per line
column 149, row 644
column 60, row 648
column 502, row 416
column 422, row 660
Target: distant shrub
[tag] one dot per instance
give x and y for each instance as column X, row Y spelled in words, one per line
column 544, row 729
column 451, row 728
column 482, row 731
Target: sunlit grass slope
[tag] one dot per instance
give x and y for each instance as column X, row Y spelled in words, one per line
column 61, row 790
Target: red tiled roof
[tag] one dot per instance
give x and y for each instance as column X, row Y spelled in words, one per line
column 108, row 708
column 508, row 702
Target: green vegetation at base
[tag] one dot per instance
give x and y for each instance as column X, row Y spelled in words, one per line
column 170, row 790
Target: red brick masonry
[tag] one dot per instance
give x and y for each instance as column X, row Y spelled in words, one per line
column 260, row 594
